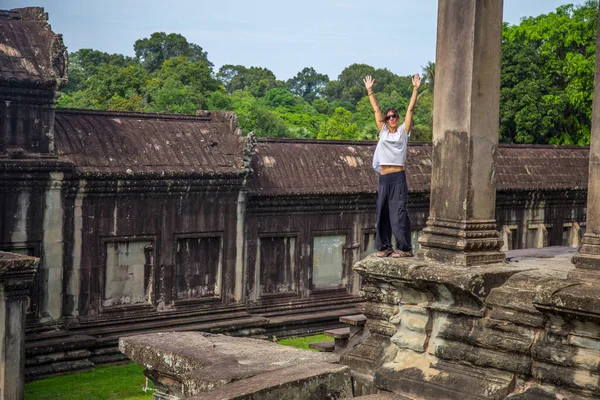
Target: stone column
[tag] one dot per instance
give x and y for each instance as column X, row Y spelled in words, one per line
column 588, row 255
column 461, row 228
column 16, row 278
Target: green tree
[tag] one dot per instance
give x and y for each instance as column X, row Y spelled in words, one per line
column 219, row 100
column 84, row 63
column 257, row 118
column 321, row 106
column 256, row 80
column 307, row 83
column 109, row 87
column 174, row 97
column 429, row 76
column 159, row 47
column 350, row 87
column 279, row 97
column 339, row 126
column 547, row 77
column 180, row 86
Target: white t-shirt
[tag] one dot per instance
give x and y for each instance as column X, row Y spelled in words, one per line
column 391, row 148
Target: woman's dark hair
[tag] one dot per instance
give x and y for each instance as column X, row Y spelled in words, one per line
column 387, row 110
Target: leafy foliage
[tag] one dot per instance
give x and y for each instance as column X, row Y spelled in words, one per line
column 546, row 88
column 339, row 126
column 307, row 83
column 159, row 47
column 548, row 75
column 84, row 63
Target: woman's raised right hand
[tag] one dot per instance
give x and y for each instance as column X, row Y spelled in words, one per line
column 369, row 81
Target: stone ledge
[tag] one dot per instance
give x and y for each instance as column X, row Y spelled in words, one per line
column 471, row 284
column 10, row 263
column 313, row 380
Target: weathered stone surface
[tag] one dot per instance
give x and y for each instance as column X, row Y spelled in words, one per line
column 563, row 376
column 382, row 396
column 588, row 254
column 308, row 381
column 461, row 229
column 573, row 297
column 462, row 352
column 16, row 279
column 471, row 284
column 430, row 378
column 522, row 351
column 370, row 354
column 188, row 363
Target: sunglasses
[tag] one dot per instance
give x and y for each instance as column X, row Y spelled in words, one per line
column 388, row 117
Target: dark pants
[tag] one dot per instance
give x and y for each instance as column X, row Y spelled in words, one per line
column 392, row 215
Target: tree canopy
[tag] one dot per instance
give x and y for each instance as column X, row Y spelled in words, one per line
column 548, row 77
column 159, row 47
column 546, row 93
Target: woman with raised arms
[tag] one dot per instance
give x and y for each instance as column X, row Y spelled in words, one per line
column 389, row 161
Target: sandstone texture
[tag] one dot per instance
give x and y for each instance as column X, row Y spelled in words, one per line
column 184, row 364
column 492, row 332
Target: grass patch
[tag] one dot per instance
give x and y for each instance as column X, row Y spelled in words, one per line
column 122, row 382
column 303, row 342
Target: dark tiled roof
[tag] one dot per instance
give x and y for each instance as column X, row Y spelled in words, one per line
column 30, row 53
column 526, row 167
column 293, row 166
column 104, row 142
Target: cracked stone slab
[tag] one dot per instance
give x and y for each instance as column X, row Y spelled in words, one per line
column 189, row 363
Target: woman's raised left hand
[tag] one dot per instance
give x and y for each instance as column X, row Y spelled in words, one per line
column 416, row 80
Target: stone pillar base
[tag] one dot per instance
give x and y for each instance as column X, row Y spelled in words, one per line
column 467, row 243
column 588, row 256
column 461, row 258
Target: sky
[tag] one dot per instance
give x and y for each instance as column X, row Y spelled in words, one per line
column 283, row 36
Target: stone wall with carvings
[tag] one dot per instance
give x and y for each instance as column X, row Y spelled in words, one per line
column 492, row 332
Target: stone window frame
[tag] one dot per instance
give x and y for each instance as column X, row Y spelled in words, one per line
column 363, row 233
column 201, row 300
column 295, row 294
column 346, row 273
column 150, row 272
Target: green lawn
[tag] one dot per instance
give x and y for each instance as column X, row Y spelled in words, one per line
column 122, row 382
column 303, row 342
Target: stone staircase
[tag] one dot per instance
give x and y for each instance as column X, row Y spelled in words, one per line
column 345, row 338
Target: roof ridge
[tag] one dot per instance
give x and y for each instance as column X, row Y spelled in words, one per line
column 132, row 114
column 373, row 142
